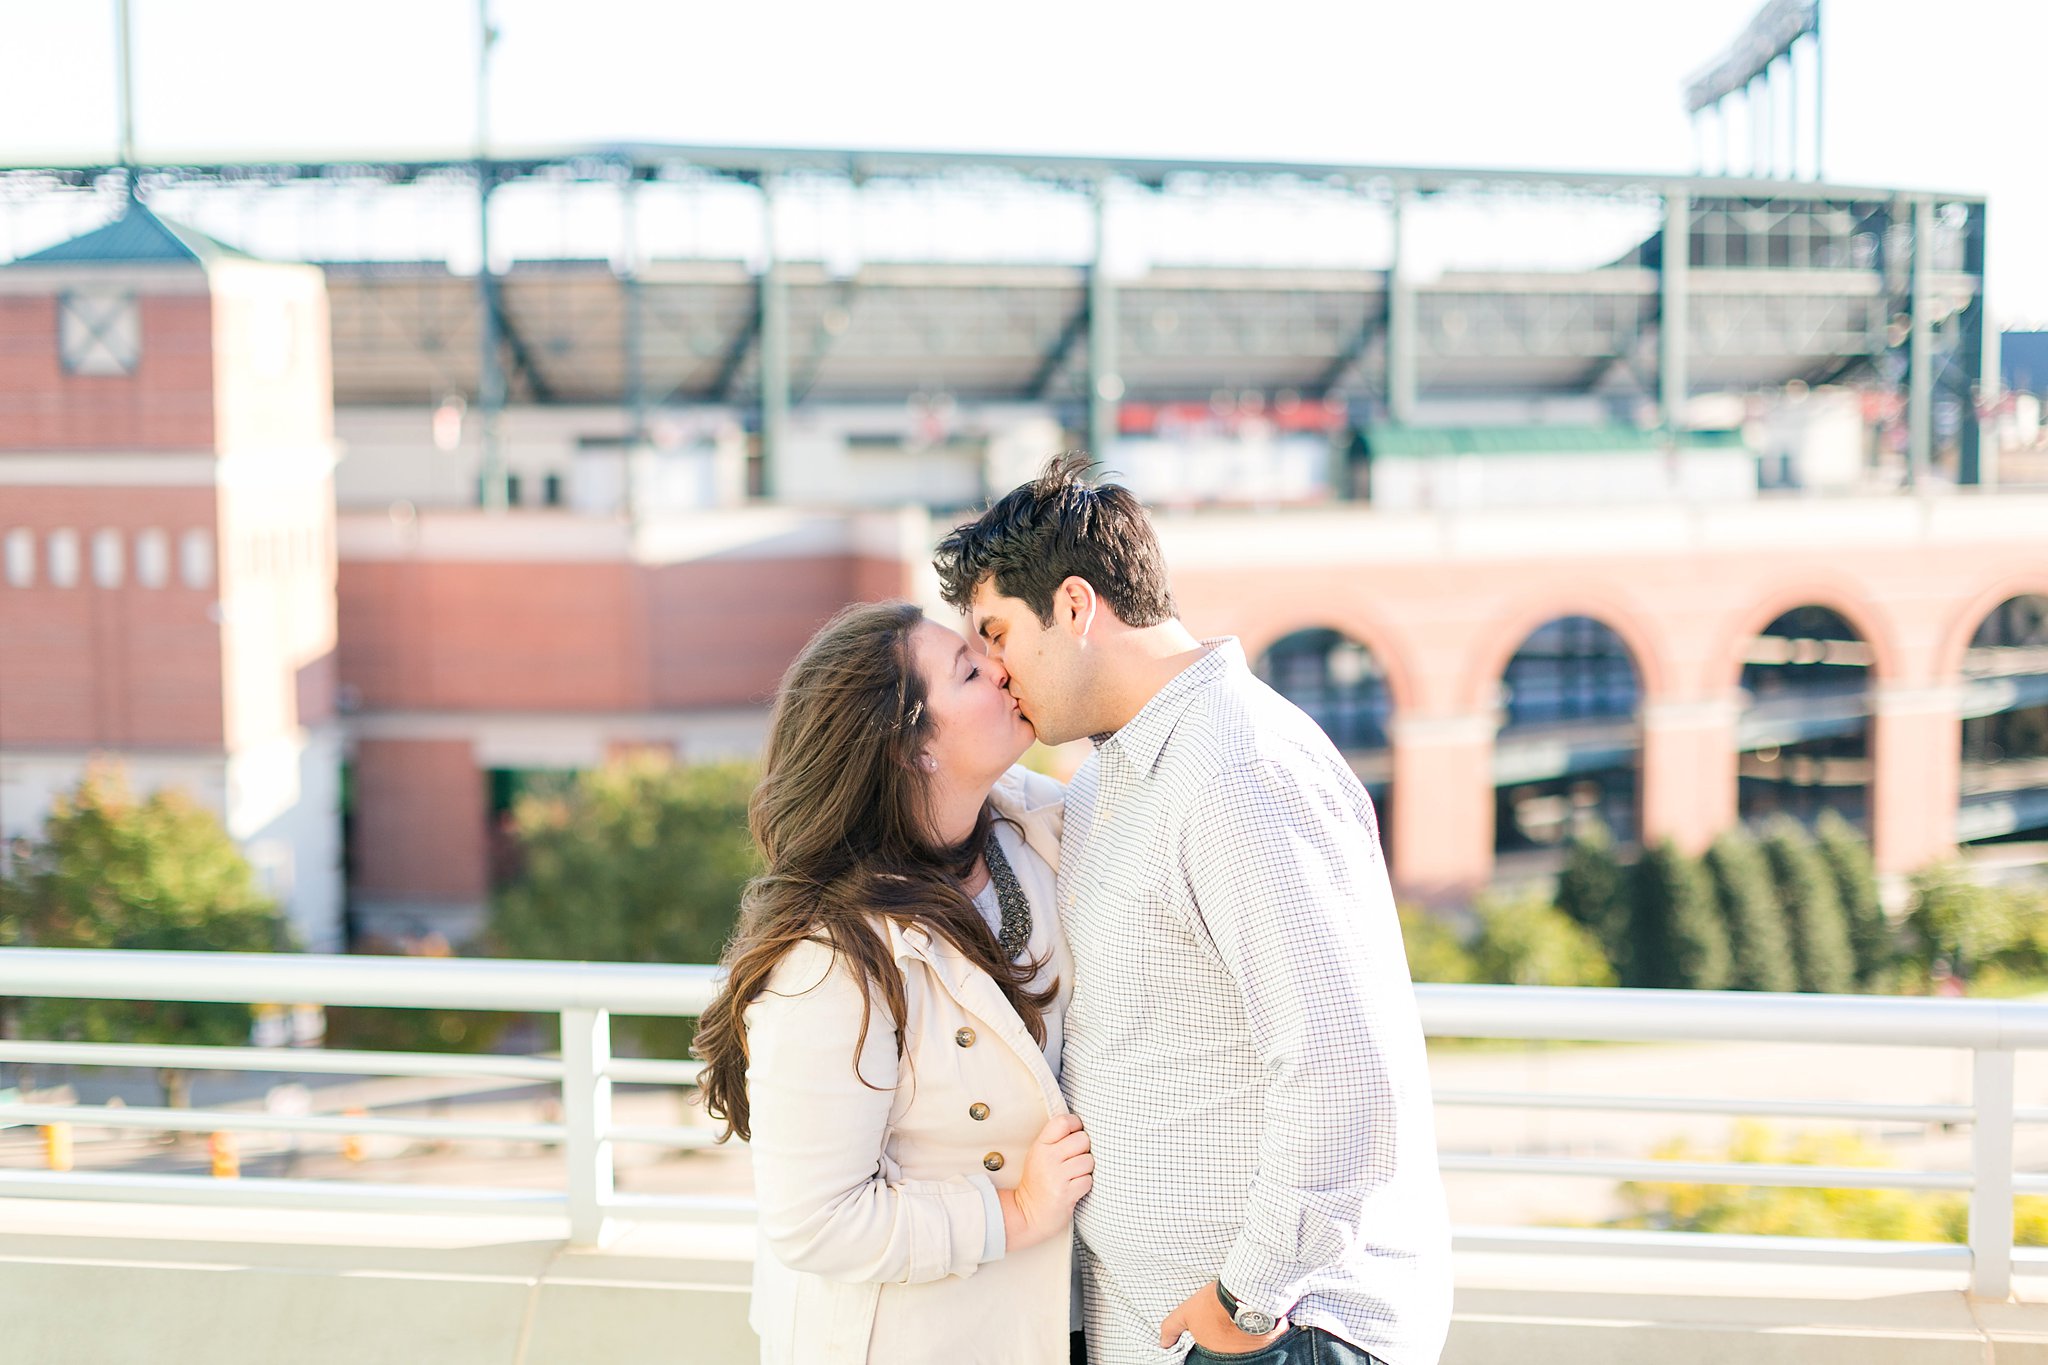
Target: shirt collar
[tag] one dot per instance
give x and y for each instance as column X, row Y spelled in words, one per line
column 1141, row 738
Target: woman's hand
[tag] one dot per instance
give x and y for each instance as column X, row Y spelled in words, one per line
column 1058, row 1170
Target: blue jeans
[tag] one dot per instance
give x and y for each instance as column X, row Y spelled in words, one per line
column 1296, row 1346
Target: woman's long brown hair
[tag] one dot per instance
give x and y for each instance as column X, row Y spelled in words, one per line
column 842, row 819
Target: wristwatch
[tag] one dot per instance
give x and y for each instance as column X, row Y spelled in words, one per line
column 1250, row 1321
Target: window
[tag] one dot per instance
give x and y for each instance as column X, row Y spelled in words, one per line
column 1336, row 680
column 99, row 332
column 195, row 559
column 106, row 558
column 64, row 558
column 152, row 558
column 21, row 558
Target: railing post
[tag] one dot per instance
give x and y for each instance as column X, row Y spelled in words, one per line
column 1991, row 1165
column 587, row 1116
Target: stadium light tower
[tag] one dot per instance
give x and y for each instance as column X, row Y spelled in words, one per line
column 1748, row 67
column 124, row 45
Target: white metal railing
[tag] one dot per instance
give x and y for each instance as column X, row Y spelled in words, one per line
column 585, row 996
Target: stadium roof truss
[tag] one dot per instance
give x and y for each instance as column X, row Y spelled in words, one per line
column 1781, row 280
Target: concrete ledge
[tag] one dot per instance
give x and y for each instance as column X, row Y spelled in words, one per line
column 86, row 1283
column 1593, row 1310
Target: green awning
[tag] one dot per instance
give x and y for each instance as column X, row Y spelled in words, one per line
column 1417, row 442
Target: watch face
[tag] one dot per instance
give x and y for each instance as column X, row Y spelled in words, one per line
column 1252, row 1322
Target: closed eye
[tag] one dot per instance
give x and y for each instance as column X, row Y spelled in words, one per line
column 973, row 673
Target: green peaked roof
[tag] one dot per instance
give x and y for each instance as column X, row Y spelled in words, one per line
column 137, row 237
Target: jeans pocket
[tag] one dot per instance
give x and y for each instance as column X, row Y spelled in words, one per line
column 1274, row 1352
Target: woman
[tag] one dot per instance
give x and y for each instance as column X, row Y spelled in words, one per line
column 889, row 1025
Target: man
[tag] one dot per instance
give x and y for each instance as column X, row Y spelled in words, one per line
column 1242, row 1041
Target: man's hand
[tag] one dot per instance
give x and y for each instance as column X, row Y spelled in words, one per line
column 1203, row 1315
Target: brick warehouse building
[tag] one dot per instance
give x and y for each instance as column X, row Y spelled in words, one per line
column 179, row 589
column 1672, row 667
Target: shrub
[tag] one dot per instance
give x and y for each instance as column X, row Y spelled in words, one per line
column 1676, row 940
column 114, row 872
column 1876, row 1215
column 1813, row 911
column 1847, row 855
column 1887, row 1215
column 1988, row 935
column 1435, row 950
column 1591, row 891
column 1760, row 959
column 1529, row 942
column 640, row 861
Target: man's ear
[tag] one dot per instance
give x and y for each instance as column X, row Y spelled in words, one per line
column 1075, row 604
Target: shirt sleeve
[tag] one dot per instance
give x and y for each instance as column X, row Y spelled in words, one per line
column 822, row 1178
column 1284, row 866
column 995, row 1242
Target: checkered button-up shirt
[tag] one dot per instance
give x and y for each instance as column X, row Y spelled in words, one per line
column 1243, row 1041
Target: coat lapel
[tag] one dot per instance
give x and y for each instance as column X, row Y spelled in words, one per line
column 1038, row 807
column 977, row 993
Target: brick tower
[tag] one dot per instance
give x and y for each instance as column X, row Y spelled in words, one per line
column 167, row 542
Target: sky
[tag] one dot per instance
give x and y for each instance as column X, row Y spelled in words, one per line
column 1918, row 94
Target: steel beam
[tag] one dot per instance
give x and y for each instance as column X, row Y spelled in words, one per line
column 1820, row 98
column 1920, row 348
column 774, row 367
column 1976, row 357
column 490, row 381
column 1674, row 311
column 634, row 342
column 1105, row 383
column 1401, row 382
column 1040, row 386
column 588, row 162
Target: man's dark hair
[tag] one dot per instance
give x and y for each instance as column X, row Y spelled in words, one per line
column 1061, row 526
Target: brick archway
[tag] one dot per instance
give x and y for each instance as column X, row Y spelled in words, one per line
column 1379, row 640
column 1488, row 662
column 1865, row 618
column 1955, row 643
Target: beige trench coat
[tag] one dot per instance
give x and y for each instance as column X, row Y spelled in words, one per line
column 873, row 1214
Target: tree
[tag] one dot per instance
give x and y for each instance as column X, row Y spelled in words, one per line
column 114, row 872
column 640, row 861
column 1954, row 920
column 1436, row 952
column 1591, row 891
column 1760, row 958
column 1813, row 911
column 1676, row 938
column 1847, row 855
column 1530, row 942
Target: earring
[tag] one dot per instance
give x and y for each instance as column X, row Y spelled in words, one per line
column 928, row 763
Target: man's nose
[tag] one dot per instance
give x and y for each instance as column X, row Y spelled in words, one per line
column 1000, row 674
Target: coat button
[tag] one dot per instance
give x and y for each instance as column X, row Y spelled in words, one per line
column 964, row 1037
column 993, row 1161
column 977, row 1112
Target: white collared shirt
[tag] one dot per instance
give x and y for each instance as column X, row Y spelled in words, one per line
column 1243, row 1041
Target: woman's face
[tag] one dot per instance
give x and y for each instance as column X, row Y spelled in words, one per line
column 978, row 732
